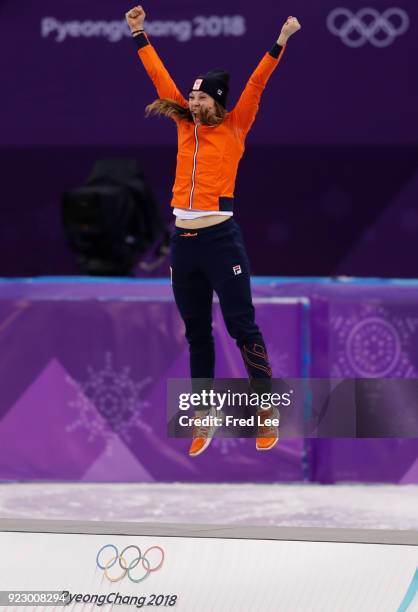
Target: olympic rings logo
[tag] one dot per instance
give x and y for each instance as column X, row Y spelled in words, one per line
column 368, row 25
column 139, row 562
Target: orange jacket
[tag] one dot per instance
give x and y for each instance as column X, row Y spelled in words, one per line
column 208, row 157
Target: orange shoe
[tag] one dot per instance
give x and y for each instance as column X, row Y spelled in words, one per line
column 267, row 433
column 203, row 434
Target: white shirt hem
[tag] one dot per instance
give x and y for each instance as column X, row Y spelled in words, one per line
column 185, row 213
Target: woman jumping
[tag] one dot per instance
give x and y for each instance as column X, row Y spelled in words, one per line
column 207, row 250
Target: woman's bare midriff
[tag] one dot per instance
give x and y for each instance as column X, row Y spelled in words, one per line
column 201, row 221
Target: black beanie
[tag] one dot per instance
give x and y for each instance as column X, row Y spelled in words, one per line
column 215, row 83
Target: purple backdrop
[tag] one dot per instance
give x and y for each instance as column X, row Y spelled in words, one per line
column 331, row 161
column 79, row 82
column 323, row 210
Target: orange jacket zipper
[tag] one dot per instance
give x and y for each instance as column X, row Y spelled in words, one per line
column 194, row 166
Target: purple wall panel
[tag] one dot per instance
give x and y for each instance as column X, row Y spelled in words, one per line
column 66, row 377
column 364, row 328
column 86, row 385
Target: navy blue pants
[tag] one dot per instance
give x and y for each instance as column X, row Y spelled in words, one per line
column 214, row 259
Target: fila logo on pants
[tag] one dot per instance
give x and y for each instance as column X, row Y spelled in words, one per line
column 237, row 270
column 368, row 25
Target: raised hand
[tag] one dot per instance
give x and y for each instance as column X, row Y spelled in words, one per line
column 135, row 18
column 291, row 26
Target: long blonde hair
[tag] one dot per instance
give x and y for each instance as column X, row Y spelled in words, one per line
column 173, row 110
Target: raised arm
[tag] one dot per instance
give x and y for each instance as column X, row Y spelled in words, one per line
column 247, row 106
column 158, row 73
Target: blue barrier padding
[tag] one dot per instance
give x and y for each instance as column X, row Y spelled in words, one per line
column 257, row 280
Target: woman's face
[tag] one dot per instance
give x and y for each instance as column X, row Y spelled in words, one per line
column 201, row 101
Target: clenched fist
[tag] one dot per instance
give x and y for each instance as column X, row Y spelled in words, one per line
column 135, row 18
column 291, row 26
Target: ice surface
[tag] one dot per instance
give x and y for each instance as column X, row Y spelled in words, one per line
column 343, row 506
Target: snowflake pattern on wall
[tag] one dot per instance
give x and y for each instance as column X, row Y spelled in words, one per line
column 372, row 343
column 109, row 403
